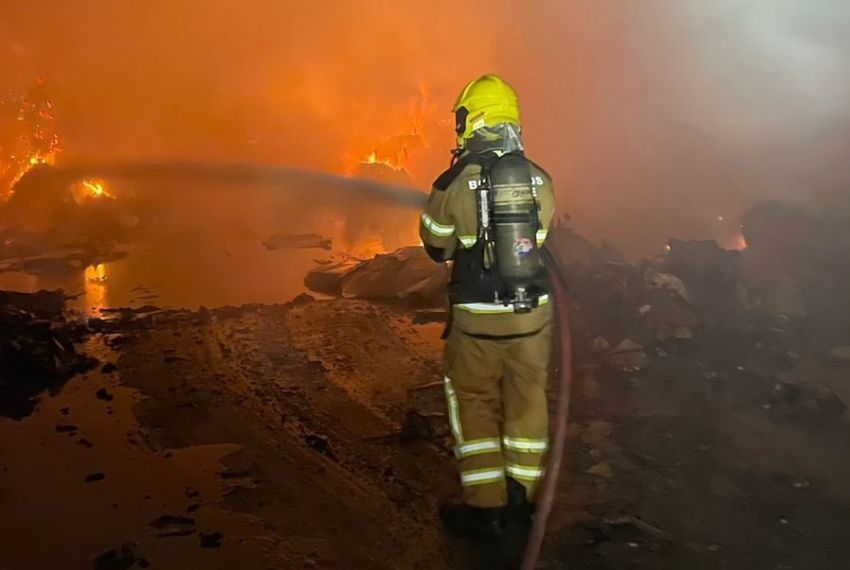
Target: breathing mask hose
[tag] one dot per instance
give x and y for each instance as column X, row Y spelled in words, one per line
column 546, row 499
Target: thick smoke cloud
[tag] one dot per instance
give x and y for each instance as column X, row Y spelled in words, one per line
column 673, row 115
column 655, row 117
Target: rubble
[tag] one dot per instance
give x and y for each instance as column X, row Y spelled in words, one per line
column 666, row 282
column 170, row 525
column 303, row 299
column 36, row 348
column 665, row 315
column 104, row 394
column 628, row 356
column 810, row 403
column 711, row 276
column 407, row 274
column 119, row 559
column 321, row 444
column 600, row 345
column 327, row 278
column 211, row 540
column 796, row 262
column 232, row 473
column 602, row 470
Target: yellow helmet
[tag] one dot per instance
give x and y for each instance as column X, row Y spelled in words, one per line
column 484, row 102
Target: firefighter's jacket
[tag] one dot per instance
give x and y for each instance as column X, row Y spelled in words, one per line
column 449, row 225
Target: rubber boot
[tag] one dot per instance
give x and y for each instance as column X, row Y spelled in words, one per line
column 519, row 510
column 473, row 522
column 507, row 552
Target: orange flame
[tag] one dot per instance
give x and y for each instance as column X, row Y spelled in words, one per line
column 27, row 136
column 394, row 150
column 91, row 190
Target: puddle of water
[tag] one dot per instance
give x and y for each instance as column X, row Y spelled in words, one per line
column 53, row 518
column 186, row 275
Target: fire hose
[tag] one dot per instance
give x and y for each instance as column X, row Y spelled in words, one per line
column 556, row 458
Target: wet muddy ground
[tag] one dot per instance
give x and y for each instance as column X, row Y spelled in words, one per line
column 310, row 435
column 209, row 271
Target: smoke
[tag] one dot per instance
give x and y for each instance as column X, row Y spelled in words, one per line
column 199, row 173
column 656, row 118
column 671, row 118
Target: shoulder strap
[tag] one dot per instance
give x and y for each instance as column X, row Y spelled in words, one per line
column 446, row 178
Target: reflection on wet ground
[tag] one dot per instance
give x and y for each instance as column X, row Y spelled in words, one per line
column 190, row 275
column 78, row 476
column 80, row 479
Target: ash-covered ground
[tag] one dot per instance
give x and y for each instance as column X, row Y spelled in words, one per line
column 708, row 427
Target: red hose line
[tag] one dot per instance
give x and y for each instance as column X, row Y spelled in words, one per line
column 547, row 494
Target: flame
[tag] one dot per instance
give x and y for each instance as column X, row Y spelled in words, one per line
column 28, row 137
column 91, row 190
column 96, row 274
column 373, row 159
column 388, row 160
column 394, row 151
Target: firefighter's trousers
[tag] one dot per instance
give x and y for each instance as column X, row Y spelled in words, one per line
column 496, row 395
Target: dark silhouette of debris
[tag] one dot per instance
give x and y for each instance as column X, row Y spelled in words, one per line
column 303, row 299
column 118, row 559
column 234, row 473
column 170, row 525
column 37, row 348
column 103, row 394
column 321, row 444
column 212, row 540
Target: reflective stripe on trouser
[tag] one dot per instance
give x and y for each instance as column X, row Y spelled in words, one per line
column 496, row 394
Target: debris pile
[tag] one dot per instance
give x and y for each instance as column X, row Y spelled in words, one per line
column 796, row 264
column 776, row 302
column 406, row 274
column 37, row 350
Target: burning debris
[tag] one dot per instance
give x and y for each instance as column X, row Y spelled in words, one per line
column 86, row 190
column 389, row 159
column 28, row 136
column 42, row 214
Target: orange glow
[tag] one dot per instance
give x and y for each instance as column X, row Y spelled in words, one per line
column 394, row 151
column 91, row 190
column 740, row 243
column 368, row 248
column 27, row 136
column 96, row 274
column 27, row 165
column 95, row 278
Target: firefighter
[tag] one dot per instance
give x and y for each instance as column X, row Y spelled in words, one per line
column 489, row 215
